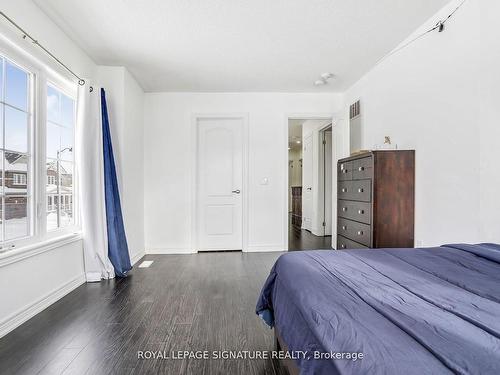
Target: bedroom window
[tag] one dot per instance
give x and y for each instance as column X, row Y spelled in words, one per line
column 15, row 154
column 37, row 127
column 60, row 161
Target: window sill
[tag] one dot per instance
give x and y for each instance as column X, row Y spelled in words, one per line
column 28, row 251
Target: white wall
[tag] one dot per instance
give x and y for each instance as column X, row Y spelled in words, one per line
column 32, row 283
column 489, row 121
column 168, row 146
column 125, row 100
column 133, row 167
column 29, row 284
column 426, row 98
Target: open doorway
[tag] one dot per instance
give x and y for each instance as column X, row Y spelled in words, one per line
column 310, row 170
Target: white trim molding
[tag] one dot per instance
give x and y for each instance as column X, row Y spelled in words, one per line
column 266, row 248
column 137, row 257
column 19, row 317
column 169, row 251
column 12, row 256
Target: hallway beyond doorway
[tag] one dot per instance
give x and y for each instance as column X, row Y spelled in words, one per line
column 301, row 239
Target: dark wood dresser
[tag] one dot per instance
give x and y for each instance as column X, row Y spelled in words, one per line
column 376, row 200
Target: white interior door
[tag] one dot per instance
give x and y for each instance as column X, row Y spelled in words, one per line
column 220, row 177
column 307, row 183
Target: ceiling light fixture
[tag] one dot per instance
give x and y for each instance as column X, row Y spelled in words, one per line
column 327, row 76
column 324, row 79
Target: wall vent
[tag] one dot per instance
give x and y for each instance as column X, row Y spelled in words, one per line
column 355, row 110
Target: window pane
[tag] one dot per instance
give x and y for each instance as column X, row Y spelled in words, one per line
column 52, row 176
column 1, row 219
column 67, row 111
column 66, row 193
column 2, row 108
column 1, row 78
column 52, row 194
column 16, row 217
column 53, row 105
column 66, row 150
column 16, row 174
column 16, row 130
column 52, row 209
column 16, row 87
column 53, row 140
column 1, row 196
column 1, row 174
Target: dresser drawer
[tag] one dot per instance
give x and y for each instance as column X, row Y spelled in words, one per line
column 344, row 243
column 355, row 190
column 353, row 230
column 362, row 169
column 344, row 171
column 357, row 211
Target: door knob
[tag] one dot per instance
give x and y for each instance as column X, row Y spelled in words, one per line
column 236, row 191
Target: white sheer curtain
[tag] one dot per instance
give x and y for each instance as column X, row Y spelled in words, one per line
column 91, row 184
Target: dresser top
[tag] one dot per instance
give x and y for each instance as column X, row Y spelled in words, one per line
column 371, row 153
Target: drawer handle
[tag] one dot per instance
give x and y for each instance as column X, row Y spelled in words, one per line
column 344, row 190
column 361, row 169
column 344, row 209
column 344, row 227
column 360, row 232
column 361, row 190
column 361, row 212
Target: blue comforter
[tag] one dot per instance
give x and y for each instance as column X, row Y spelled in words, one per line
column 418, row 311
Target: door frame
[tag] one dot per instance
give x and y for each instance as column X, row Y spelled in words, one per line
column 195, row 117
column 322, row 173
column 297, row 116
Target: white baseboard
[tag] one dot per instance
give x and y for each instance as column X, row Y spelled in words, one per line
column 15, row 320
column 264, row 248
column 249, row 249
column 170, row 251
column 137, row 257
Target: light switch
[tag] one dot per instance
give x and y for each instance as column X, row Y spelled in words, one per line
column 264, row 181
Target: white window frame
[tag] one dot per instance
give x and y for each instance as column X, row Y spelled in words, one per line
column 40, row 76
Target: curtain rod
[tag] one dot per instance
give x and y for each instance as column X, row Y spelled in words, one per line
column 81, row 81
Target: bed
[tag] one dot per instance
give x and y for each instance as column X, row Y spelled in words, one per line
column 407, row 311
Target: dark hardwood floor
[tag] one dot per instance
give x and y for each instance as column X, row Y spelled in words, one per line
column 182, row 302
column 301, row 239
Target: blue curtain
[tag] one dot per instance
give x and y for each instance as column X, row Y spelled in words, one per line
column 117, row 241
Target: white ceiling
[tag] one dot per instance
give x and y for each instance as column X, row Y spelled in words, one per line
column 239, row 45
